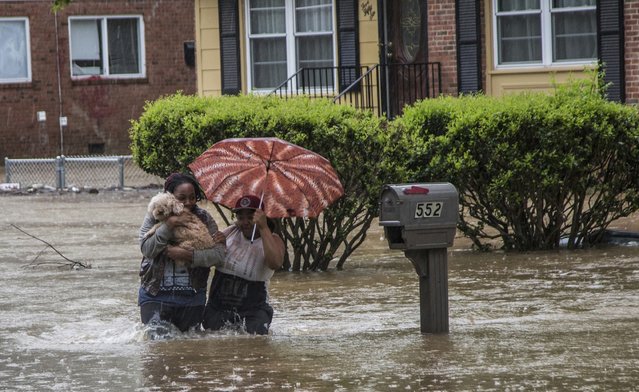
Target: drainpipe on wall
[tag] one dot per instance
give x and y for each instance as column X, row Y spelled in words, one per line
column 57, row 63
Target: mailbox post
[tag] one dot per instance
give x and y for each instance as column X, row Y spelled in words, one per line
column 421, row 220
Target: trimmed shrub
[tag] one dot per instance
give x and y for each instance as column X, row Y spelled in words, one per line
column 175, row 130
column 531, row 168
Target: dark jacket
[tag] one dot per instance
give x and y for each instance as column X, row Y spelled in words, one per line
column 154, row 258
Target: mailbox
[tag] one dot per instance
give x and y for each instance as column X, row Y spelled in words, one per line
column 419, row 216
column 421, row 220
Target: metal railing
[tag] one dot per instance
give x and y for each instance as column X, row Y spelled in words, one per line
column 82, row 171
column 317, row 82
column 407, row 84
column 363, row 93
column 361, row 87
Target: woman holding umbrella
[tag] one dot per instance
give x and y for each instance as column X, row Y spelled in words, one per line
column 293, row 182
column 238, row 294
column 173, row 279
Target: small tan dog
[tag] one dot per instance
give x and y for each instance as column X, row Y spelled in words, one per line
column 193, row 235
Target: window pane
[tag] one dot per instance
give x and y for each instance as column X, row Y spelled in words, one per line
column 310, row 3
column 517, row 5
column 268, row 56
column 519, row 38
column 124, row 47
column 410, row 27
column 316, row 52
column 573, row 3
column 257, row 4
column 313, row 16
column 574, row 35
column 14, row 60
column 86, row 56
column 268, row 17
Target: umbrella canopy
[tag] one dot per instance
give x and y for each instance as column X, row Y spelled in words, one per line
column 292, row 180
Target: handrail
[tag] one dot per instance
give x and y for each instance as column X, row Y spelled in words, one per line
column 284, row 83
column 355, row 83
column 383, row 88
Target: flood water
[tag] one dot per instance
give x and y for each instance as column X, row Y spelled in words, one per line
column 541, row 321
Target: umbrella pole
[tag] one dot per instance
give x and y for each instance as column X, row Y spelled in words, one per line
column 254, row 224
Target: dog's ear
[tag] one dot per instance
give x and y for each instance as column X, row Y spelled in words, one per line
column 155, row 200
column 174, row 205
column 158, row 207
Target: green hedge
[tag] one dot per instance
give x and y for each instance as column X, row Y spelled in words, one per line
column 174, row 130
column 531, row 168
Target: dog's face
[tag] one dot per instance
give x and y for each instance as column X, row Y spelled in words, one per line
column 164, row 205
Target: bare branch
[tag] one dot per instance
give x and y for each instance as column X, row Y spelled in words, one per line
column 71, row 263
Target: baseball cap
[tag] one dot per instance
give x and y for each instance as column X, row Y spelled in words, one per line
column 247, row 202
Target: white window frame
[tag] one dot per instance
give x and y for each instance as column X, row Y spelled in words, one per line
column 105, row 44
column 27, row 37
column 291, row 55
column 546, row 13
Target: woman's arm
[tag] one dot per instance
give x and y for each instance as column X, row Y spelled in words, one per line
column 158, row 241
column 273, row 244
column 212, row 256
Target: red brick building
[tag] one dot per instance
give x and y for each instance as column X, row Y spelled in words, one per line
column 71, row 82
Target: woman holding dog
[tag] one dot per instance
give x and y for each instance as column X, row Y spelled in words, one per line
column 238, row 296
column 174, row 279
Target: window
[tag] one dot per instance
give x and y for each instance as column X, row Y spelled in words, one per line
column 15, row 51
column 286, row 35
column 107, row 46
column 545, row 32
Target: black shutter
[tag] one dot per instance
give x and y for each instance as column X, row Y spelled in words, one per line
column 610, row 41
column 230, row 47
column 468, row 46
column 347, row 42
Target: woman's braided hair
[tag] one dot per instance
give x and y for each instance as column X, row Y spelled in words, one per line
column 175, row 179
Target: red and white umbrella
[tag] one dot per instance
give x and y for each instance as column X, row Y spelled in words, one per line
column 291, row 180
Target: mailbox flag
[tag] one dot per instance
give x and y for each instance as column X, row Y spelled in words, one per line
column 416, row 190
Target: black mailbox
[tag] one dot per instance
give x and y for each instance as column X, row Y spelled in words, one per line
column 189, row 53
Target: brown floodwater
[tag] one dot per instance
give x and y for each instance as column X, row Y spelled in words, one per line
column 543, row 321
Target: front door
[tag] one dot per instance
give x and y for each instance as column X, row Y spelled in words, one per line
column 404, row 53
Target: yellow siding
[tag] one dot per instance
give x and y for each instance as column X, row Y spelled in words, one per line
column 368, row 47
column 368, row 36
column 208, row 48
column 530, row 80
column 209, row 17
column 211, row 57
column 243, row 48
column 211, row 78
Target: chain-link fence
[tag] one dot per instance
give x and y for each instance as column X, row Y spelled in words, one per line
column 82, row 171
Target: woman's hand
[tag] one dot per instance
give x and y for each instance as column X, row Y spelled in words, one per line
column 174, row 221
column 259, row 218
column 182, row 255
column 219, row 237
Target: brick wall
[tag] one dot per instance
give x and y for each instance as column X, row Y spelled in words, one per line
column 631, row 21
column 98, row 111
column 442, row 42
